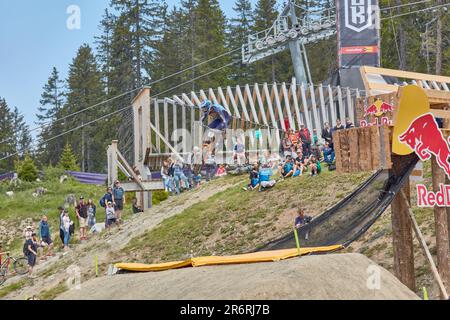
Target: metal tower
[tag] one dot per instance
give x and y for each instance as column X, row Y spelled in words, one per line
column 291, row 31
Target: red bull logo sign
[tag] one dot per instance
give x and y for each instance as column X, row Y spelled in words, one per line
column 379, row 109
column 426, row 139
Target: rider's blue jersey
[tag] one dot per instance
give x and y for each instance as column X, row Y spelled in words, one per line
column 219, row 111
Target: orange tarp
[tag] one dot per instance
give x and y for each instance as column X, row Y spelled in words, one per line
column 263, row 256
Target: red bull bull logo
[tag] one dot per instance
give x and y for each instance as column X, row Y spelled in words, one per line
column 378, row 109
column 426, row 139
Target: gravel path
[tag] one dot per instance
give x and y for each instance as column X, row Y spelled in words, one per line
column 338, row 276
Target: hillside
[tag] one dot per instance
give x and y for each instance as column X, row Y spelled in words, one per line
column 22, row 209
column 219, row 218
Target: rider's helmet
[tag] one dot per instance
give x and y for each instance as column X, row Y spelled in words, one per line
column 206, row 105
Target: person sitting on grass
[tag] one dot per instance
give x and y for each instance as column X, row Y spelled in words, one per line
column 315, row 151
column 221, row 172
column 265, row 181
column 287, row 169
column 328, row 154
column 300, row 167
column 136, row 208
column 254, row 178
column 45, row 238
column 314, row 166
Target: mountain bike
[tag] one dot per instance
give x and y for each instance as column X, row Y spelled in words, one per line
column 19, row 266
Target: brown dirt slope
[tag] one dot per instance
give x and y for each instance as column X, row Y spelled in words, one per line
column 338, row 276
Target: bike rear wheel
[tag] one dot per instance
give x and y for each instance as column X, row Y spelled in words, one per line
column 21, row 265
column 2, row 275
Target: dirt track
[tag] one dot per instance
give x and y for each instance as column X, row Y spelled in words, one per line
column 339, row 276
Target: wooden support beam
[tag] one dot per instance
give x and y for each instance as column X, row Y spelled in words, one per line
column 295, row 101
column 251, row 101
column 278, row 104
column 269, row 105
column 203, row 95
column 404, row 74
column 424, row 246
column 166, row 120
column 241, row 99
column 157, row 124
column 174, row 118
column 223, row 99
column 130, row 169
column 195, row 98
column 232, row 100
column 314, row 108
column 148, row 186
column 402, row 230
column 332, row 107
column 350, row 106
column 340, row 104
column 260, row 104
column 323, row 109
column 212, row 96
column 112, row 162
column 287, row 105
column 308, row 123
column 441, row 227
column 184, row 127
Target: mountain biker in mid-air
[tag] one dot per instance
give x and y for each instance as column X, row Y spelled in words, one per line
column 221, row 116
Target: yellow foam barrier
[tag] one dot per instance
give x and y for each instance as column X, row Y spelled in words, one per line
column 263, row 256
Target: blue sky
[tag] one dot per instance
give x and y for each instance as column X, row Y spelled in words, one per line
column 34, row 37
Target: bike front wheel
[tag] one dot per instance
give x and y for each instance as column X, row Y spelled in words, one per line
column 21, row 266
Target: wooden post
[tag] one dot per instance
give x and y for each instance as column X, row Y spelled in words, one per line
column 402, row 230
column 112, row 162
column 441, row 226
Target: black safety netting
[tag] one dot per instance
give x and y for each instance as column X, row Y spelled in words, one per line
column 352, row 217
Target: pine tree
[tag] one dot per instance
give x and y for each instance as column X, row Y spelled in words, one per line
column 104, row 46
column 49, row 111
column 189, row 40
column 22, row 137
column 7, row 147
column 86, row 89
column 68, row 160
column 144, row 19
column 170, row 54
column 240, row 28
column 26, row 169
column 210, row 26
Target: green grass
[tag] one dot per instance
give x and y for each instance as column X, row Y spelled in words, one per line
column 52, row 293
column 234, row 221
column 4, row 291
column 23, row 206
